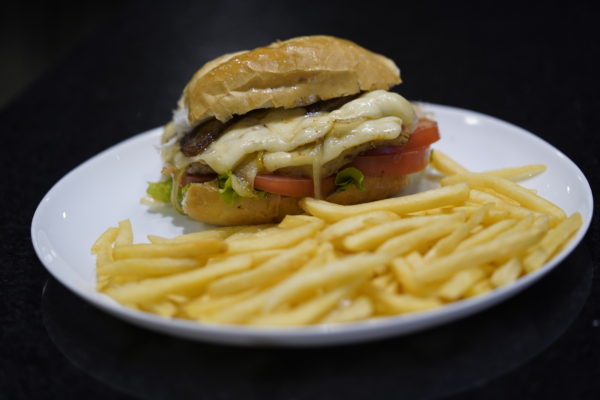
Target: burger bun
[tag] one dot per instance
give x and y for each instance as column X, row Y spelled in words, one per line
column 203, row 202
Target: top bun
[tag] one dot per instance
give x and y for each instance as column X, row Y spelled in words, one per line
column 288, row 74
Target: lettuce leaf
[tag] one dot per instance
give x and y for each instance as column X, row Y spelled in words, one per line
column 227, row 193
column 160, row 191
column 348, row 177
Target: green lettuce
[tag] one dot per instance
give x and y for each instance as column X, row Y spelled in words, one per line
column 348, row 177
column 226, row 191
column 160, row 191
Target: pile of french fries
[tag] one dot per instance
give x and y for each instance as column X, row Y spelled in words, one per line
column 475, row 233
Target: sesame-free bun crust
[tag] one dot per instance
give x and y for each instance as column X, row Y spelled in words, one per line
column 202, row 202
column 287, row 74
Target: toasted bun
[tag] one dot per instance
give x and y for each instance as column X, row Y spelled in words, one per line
column 202, row 202
column 288, row 74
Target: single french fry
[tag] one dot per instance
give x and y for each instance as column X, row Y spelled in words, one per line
column 252, row 230
column 358, row 309
column 512, row 208
column 164, row 308
column 483, row 197
column 352, row 224
column 458, row 284
column 434, row 198
column 494, row 215
column 312, row 310
column 382, row 281
column 510, row 189
column 178, row 250
column 478, row 255
column 415, row 259
column 274, row 240
column 404, row 274
column 370, row 238
column 506, row 273
column 516, row 174
column 240, row 312
column 150, row 267
column 499, row 196
column 217, row 233
column 267, row 273
column 521, row 212
column 450, row 242
column 293, row 221
column 491, row 217
column 430, row 212
column 125, row 235
column 521, row 226
column 324, row 254
column 106, row 239
column 388, row 303
column 551, row 242
column 257, row 257
column 205, row 305
column 481, row 287
column 445, row 164
column 419, row 237
column 487, row 234
column 177, row 298
column 103, row 248
column 392, row 287
column 403, row 269
column 157, row 239
column 542, row 222
column 502, row 202
column 336, row 272
column 187, row 283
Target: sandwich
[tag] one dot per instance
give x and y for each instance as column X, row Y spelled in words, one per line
column 255, row 131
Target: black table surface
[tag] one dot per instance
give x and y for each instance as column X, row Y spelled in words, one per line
column 534, row 67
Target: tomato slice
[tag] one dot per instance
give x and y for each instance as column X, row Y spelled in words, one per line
column 291, row 186
column 396, row 164
column 399, row 164
column 424, row 135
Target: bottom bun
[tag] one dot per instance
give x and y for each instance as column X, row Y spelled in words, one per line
column 203, row 202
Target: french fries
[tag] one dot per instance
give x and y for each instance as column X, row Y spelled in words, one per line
column 265, row 273
column 431, row 199
column 510, row 189
column 338, row 264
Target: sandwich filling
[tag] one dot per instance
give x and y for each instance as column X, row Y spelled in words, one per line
column 313, row 141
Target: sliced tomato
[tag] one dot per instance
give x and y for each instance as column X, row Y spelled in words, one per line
column 291, row 186
column 424, row 135
column 398, row 164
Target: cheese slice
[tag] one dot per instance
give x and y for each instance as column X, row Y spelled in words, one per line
column 388, row 128
column 288, row 138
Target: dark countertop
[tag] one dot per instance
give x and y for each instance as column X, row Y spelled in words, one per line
column 535, row 68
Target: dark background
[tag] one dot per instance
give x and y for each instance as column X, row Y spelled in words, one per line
column 78, row 77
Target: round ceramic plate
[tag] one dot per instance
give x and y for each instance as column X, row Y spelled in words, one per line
column 108, row 188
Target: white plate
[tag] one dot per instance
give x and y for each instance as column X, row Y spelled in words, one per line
column 108, row 187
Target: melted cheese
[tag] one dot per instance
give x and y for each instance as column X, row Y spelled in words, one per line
column 387, row 128
column 317, row 162
column 289, row 137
